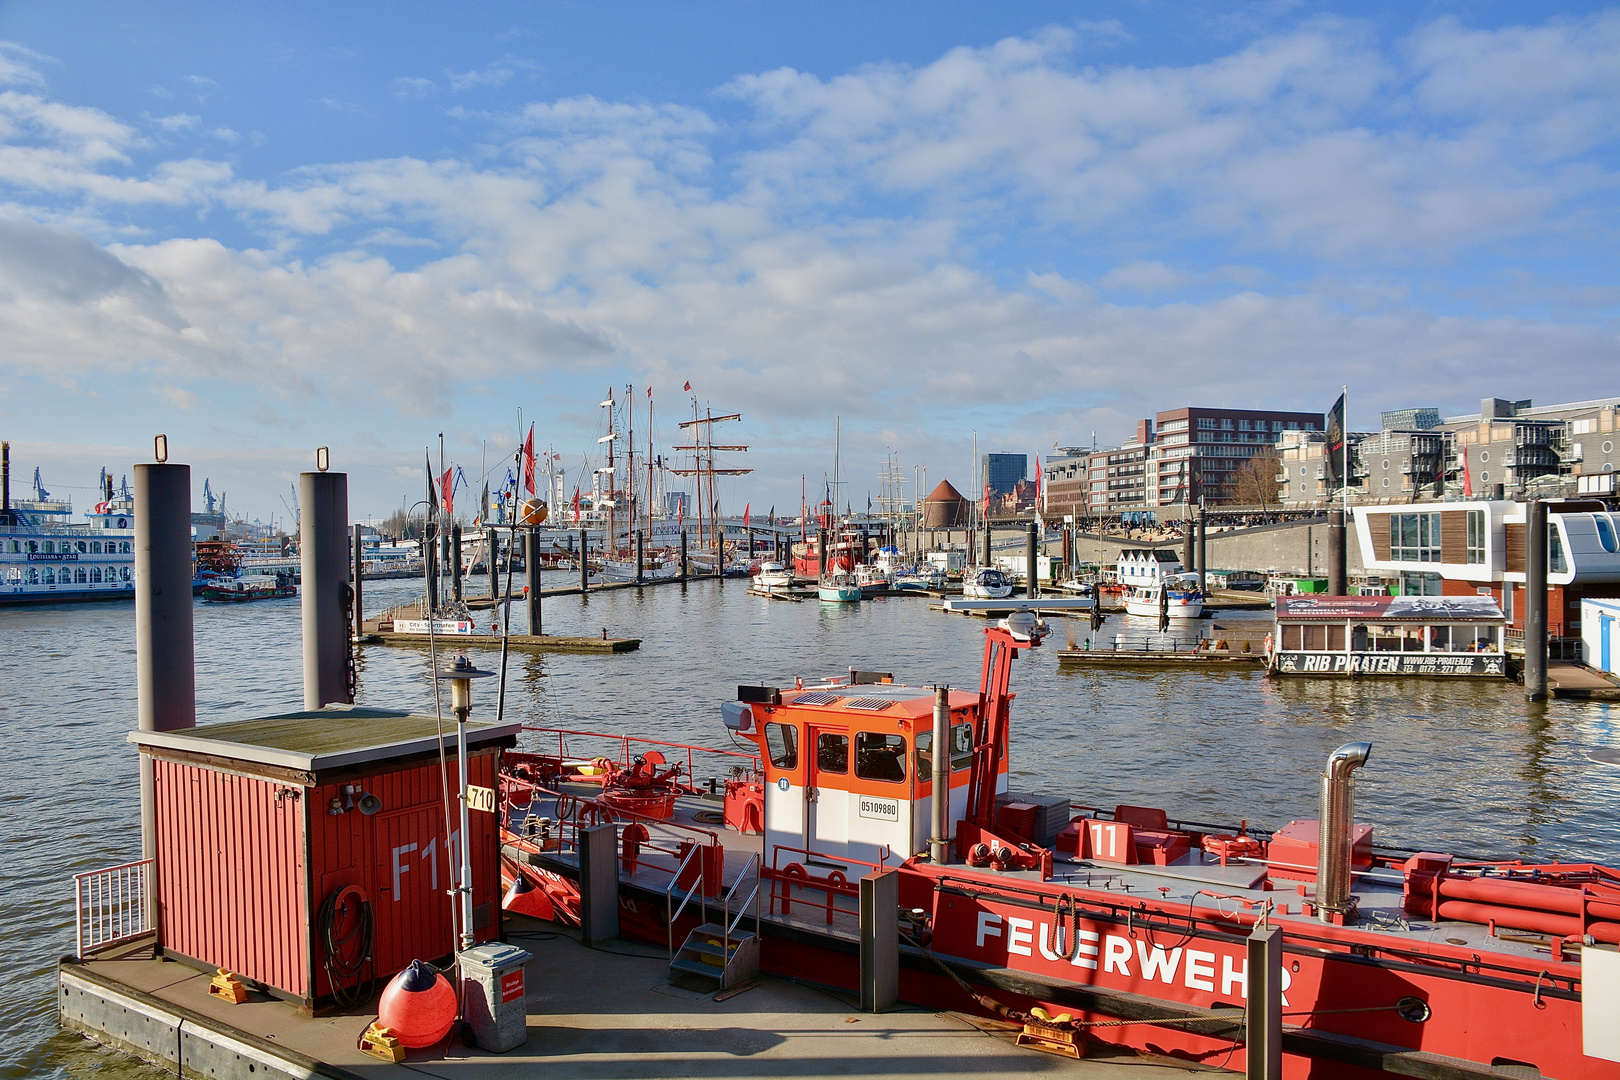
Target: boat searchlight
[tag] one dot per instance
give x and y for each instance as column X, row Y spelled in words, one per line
column 1024, row 626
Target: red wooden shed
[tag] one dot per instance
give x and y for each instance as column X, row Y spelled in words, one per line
column 261, row 822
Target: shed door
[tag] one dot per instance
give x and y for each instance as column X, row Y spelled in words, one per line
column 411, row 877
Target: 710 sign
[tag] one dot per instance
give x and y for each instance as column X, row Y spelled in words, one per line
column 481, row 798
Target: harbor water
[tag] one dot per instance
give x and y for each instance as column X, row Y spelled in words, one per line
column 1458, row 765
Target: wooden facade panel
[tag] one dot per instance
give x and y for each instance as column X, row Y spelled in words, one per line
column 230, row 873
column 235, row 889
column 1378, row 526
column 1513, row 548
column 353, row 849
column 1454, row 537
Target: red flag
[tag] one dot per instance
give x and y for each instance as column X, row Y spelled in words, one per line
column 1468, row 483
column 447, row 492
column 1037, row 480
column 528, row 461
column 745, row 514
column 688, row 386
column 987, row 500
column 576, row 504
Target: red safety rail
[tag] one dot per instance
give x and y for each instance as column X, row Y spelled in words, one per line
column 574, row 812
column 626, row 742
column 796, row 875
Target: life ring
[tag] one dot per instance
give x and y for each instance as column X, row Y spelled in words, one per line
column 1267, row 645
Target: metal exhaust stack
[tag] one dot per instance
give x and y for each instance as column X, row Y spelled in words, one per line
column 939, row 844
column 1333, row 849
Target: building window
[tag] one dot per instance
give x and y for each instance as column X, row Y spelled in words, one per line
column 1484, row 455
column 1414, row 537
column 1476, row 536
column 1555, row 551
column 1226, row 423
column 50, row 546
column 1420, row 585
column 1484, row 476
column 1605, row 531
column 95, row 547
column 1207, row 423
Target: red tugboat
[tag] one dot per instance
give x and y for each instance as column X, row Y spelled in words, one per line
column 1132, row 923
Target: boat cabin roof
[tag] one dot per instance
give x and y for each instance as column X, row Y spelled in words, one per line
column 1412, row 609
column 863, row 702
column 334, row 737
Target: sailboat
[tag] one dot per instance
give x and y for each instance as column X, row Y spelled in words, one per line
column 838, row 584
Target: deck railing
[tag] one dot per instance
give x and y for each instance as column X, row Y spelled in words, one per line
column 111, row 905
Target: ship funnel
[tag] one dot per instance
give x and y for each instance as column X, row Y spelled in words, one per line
column 1336, row 839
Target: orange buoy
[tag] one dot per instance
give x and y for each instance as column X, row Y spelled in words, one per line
column 418, row 1006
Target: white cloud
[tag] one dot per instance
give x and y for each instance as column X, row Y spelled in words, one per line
column 178, row 122
column 413, row 87
column 201, row 80
column 592, row 236
column 225, row 134
column 17, row 65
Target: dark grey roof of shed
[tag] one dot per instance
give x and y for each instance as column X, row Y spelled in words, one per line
column 333, row 737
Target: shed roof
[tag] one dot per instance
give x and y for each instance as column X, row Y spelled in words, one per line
column 945, row 493
column 333, row 737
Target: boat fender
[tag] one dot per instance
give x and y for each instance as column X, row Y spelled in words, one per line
column 418, row 1006
column 1225, row 846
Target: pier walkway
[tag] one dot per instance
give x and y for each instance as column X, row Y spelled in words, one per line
column 593, row 1013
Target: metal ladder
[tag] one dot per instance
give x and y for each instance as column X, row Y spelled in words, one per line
column 716, row 951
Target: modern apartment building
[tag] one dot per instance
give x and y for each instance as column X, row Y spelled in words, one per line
column 1197, row 451
column 1467, row 548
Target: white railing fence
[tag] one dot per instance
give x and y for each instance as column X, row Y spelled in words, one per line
column 111, row 905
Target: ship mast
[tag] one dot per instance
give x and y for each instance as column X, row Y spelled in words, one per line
column 612, row 525
column 703, row 448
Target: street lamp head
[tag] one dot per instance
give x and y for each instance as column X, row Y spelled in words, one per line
column 460, row 676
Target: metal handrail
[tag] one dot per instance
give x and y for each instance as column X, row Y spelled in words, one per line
column 111, row 905
column 725, row 905
column 697, row 887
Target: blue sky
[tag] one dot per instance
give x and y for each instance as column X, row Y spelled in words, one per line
column 265, row 228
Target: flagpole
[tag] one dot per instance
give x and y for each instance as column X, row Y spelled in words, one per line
column 1344, row 434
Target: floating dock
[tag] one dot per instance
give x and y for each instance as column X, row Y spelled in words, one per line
column 381, row 630
column 1159, row 658
column 623, row 1019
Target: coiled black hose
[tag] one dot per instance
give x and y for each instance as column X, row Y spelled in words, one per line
column 339, row 970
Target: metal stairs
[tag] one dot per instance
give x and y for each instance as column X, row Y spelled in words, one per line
column 719, row 952
column 710, row 953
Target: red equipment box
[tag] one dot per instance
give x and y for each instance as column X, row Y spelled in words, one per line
column 1292, row 853
column 274, row 836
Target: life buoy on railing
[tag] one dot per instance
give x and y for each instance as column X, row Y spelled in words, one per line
column 1267, row 645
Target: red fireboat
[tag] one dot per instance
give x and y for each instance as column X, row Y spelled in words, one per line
column 1126, row 925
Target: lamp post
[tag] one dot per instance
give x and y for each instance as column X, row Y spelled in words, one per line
column 460, row 676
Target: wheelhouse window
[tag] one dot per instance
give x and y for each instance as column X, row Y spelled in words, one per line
column 782, row 743
column 95, row 547
column 50, row 546
column 1414, row 537
column 961, row 746
column 880, row 757
column 832, row 753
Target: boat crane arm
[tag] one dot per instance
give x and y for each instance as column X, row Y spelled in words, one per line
column 992, row 728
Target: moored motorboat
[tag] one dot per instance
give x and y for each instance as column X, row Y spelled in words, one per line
column 839, row 587
column 250, row 587
column 986, row 583
column 873, row 580
column 772, row 575
column 1185, row 601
